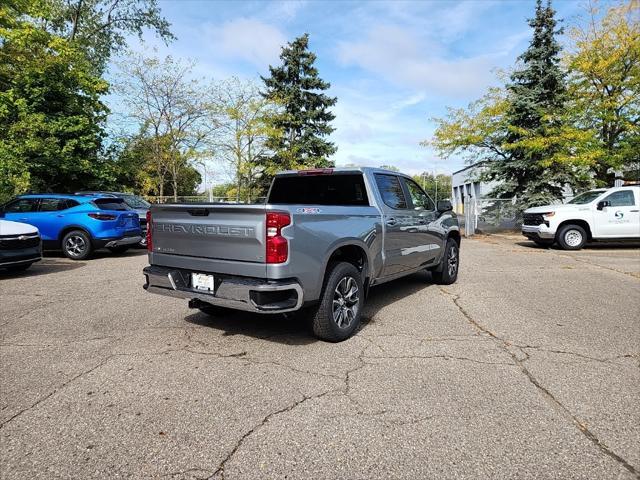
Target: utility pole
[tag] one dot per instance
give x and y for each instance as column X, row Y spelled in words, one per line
column 435, row 177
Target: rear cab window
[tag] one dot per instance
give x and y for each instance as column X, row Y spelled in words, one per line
column 110, row 204
column 56, row 204
column 338, row 189
column 391, row 191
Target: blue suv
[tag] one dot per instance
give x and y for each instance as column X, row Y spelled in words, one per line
column 77, row 224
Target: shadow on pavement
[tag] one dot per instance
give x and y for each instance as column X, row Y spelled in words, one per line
column 45, row 266
column 293, row 329
column 589, row 246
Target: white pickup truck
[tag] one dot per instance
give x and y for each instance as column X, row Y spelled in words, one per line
column 601, row 214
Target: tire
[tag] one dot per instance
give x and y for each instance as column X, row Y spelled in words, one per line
column 543, row 244
column 18, row 268
column 119, row 249
column 76, row 245
column 572, row 237
column 339, row 323
column 447, row 271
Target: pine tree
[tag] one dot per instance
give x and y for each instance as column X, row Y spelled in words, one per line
column 300, row 127
column 536, row 94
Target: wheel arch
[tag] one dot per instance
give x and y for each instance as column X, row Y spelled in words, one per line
column 455, row 235
column 582, row 223
column 71, row 228
column 351, row 252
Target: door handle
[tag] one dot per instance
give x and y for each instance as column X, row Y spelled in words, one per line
column 391, row 222
column 422, row 221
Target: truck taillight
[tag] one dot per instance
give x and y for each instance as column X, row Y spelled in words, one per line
column 277, row 245
column 149, row 230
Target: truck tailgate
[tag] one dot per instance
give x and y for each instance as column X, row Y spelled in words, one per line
column 221, row 232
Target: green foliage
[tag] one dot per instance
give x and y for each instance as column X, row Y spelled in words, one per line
column 526, row 133
column 303, row 119
column 438, row 187
column 52, row 119
column 536, row 95
column 51, row 116
column 604, row 69
column 244, row 126
column 100, row 27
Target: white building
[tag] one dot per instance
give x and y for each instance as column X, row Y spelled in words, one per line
column 465, row 183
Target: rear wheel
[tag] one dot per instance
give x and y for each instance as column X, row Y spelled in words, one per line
column 447, row 271
column 119, row 249
column 338, row 314
column 76, row 245
column 572, row 237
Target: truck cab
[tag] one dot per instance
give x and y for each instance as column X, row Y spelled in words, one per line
column 321, row 240
column 596, row 215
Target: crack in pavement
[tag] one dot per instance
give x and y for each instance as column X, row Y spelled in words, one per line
column 55, row 390
column 220, row 471
column 608, row 360
column 504, row 345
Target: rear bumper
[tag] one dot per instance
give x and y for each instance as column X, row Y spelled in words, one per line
column 116, row 242
column 239, row 293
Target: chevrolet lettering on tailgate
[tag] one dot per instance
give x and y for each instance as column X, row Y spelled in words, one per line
column 220, row 230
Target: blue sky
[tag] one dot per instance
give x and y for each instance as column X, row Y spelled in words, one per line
column 393, row 65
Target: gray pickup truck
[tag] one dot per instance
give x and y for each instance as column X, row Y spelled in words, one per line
column 321, row 240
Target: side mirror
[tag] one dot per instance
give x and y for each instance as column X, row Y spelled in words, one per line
column 444, row 206
column 603, row 203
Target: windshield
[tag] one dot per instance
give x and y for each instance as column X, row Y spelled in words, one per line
column 586, row 197
column 136, row 202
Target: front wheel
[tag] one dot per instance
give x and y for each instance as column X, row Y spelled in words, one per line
column 76, row 245
column 339, row 312
column 572, row 237
column 447, row 271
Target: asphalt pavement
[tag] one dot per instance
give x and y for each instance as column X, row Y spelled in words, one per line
column 528, row 367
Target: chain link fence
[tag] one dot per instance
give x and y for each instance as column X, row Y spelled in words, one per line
column 489, row 215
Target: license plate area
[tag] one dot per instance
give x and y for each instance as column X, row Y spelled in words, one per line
column 203, row 282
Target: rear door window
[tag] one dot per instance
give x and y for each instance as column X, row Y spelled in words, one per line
column 391, row 191
column 622, row 198
column 329, row 189
column 110, row 204
column 52, row 204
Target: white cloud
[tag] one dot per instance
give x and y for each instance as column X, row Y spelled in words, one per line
column 403, row 58
column 246, row 39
